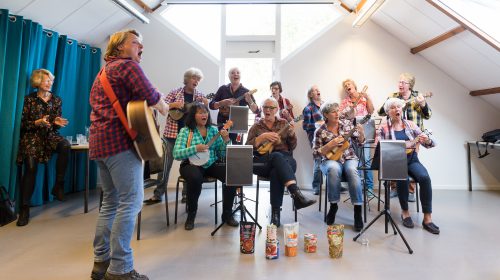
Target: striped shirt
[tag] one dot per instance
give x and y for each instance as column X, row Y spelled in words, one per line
column 413, row 112
column 181, row 151
column 108, row 137
column 176, row 95
column 411, row 130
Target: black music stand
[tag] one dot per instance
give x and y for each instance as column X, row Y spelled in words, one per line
column 392, row 166
column 239, row 172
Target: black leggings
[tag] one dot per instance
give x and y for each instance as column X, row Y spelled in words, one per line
column 30, row 167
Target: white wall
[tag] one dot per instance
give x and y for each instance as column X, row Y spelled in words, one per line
column 373, row 57
column 370, row 56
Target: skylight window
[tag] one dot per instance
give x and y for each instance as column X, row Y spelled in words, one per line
column 484, row 14
column 250, row 20
column 200, row 23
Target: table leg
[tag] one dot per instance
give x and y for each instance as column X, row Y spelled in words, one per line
column 469, row 166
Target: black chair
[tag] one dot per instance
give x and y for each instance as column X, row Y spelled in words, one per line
column 205, row 180
column 159, row 168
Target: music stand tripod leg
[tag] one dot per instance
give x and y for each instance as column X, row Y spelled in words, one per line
column 387, row 215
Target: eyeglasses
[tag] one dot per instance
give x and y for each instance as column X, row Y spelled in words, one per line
column 404, row 82
column 269, row 107
column 276, row 88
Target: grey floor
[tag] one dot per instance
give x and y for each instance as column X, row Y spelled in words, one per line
column 57, row 243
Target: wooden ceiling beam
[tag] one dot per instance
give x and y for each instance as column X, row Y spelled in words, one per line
column 144, row 6
column 343, row 5
column 438, row 39
column 463, row 22
column 485, row 91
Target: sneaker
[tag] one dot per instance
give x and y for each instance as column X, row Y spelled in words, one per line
column 152, row 200
column 99, row 270
column 394, row 193
column 132, row 275
column 411, row 197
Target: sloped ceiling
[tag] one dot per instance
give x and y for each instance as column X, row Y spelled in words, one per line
column 465, row 58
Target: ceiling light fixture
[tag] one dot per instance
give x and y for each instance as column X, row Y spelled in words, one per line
column 131, row 10
column 368, row 7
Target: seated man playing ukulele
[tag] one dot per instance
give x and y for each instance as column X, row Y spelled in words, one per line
column 274, row 140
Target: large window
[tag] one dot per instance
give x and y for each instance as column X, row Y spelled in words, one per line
column 484, row 14
column 250, row 20
column 201, row 24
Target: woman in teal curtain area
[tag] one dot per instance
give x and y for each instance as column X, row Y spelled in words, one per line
column 25, row 46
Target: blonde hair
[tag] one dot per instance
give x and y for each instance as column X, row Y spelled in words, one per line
column 116, row 40
column 351, row 81
column 37, row 76
column 192, row 72
column 409, row 78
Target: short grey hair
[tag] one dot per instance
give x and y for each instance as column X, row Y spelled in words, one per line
column 231, row 70
column 193, row 72
column 272, row 99
column 328, row 108
column 393, row 101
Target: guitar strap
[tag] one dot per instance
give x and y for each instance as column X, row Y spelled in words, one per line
column 108, row 90
column 190, row 138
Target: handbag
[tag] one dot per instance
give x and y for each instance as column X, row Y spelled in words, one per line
column 7, row 213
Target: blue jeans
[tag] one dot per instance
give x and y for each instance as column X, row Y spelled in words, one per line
column 316, row 174
column 421, row 176
column 123, row 192
column 333, row 170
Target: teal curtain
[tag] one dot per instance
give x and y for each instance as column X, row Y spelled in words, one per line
column 25, row 46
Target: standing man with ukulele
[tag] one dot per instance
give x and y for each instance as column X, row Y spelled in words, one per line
column 313, row 119
column 228, row 95
column 415, row 110
column 120, row 168
column 178, row 99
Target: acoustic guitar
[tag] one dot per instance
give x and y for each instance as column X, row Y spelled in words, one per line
column 200, row 158
column 268, row 146
column 224, row 110
column 336, row 152
column 413, row 144
column 178, row 113
column 148, row 142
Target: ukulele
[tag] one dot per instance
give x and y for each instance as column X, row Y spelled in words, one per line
column 413, row 144
column 268, row 146
column 200, row 158
column 178, row 113
column 351, row 113
column 425, row 95
column 337, row 151
column 224, row 110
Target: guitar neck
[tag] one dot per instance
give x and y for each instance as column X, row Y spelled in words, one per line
column 212, row 140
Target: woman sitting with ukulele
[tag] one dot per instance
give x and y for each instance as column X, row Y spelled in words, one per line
column 398, row 129
column 334, row 147
column 274, row 140
column 197, row 137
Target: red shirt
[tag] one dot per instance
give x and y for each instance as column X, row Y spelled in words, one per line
column 108, row 137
